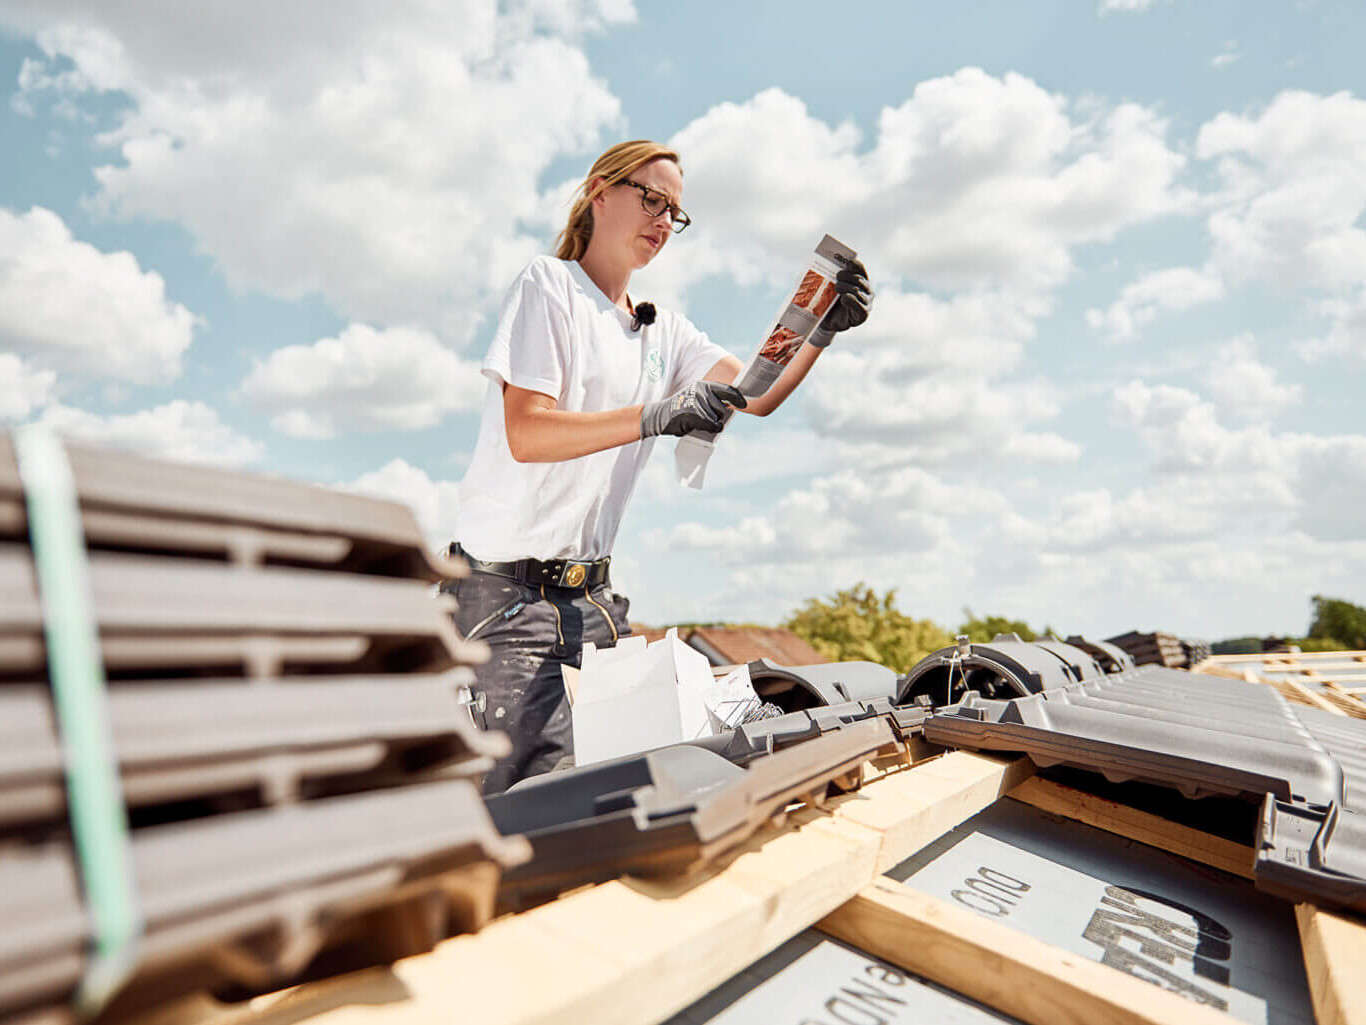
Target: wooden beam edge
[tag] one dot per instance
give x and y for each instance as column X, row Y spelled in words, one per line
column 1334, row 950
column 1133, row 824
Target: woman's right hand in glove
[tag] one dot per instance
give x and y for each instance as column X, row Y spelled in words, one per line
column 698, row 407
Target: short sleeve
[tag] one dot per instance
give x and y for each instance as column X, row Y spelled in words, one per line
column 694, row 355
column 531, row 346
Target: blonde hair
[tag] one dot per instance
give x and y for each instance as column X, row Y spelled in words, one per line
column 621, row 161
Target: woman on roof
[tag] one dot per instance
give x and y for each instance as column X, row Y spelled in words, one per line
column 581, row 381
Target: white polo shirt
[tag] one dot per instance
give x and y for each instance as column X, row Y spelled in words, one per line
column 559, row 335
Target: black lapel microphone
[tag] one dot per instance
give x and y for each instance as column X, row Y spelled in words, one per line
column 645, row 314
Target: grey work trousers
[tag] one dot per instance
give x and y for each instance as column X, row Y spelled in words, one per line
column 532, row 630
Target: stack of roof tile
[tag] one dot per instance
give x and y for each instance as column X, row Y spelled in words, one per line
column 1195, row 652
column 300, row 775
column 1152, row 649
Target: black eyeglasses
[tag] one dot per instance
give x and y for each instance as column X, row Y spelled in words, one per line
column 656, row 202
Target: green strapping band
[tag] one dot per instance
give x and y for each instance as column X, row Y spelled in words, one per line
column 99, row 819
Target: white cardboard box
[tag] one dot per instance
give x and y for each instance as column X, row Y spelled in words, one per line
column 637, row 696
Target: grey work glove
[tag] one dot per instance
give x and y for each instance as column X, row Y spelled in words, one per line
column 698, row 407
column 851, row 307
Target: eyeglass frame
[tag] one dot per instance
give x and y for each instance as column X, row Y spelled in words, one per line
column 676, row 213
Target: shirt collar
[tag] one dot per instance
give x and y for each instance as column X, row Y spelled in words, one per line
column 590, row 288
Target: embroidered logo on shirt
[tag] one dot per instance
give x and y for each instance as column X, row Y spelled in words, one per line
column 654, row 365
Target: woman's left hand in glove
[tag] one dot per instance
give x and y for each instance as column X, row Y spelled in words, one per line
column 851, row 307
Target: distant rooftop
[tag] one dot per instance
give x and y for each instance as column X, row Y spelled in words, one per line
column 732, row 645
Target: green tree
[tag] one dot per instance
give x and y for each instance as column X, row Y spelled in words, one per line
column 982, row 629
column 857, row 624
column 1237, row 646
column 1338, row 621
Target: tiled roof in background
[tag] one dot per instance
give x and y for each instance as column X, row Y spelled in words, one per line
column 732, row 645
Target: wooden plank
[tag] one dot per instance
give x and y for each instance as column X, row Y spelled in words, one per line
column 1227, row 672
column 911, row 809
column 1004, row 969
column 635, row 951
column 1133, row 824
column 1278, row 660
column 1307, row 695
column 1334, row 951
column 1339, row 695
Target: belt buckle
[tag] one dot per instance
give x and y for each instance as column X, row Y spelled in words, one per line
column 574, row 574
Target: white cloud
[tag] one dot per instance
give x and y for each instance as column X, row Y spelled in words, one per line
column 932, row 417
column 932, row 376
column 434, row 503
column 1042, row 448
column 979, row 331
column 1331, row 475
column 1169, row 290
column 1295, row 191
column 364, row 379
column 361, row 152
column 1125, row 6
column 973, row 182
column 850, row 512
column 993, row 182
column 1346, row 333
column 78, row 310
column 22, row 389
column 1307, row 481
column 183, row 431
column 1243, row 385
column 1183, row 433
column 744, row 539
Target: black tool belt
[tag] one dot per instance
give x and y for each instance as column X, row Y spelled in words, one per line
column 551, row 572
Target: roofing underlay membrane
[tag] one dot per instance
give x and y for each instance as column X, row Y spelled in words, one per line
column 283, row 692
column 1203, row 735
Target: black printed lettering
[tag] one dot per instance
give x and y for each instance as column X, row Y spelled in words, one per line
column 992, row 890
column 849, row 1013
column 1131, row 964
column 991, row 875
column 986, row 905
column 870, row 994
column 882, row 973
column 1107, row 928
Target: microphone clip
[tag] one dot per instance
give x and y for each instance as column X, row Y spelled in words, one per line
column 644, row 314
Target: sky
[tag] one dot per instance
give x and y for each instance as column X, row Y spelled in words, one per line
column 1112, row 379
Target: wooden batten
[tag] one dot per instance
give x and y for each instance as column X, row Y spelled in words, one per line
column 1133, row 824
column 1334, row 949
